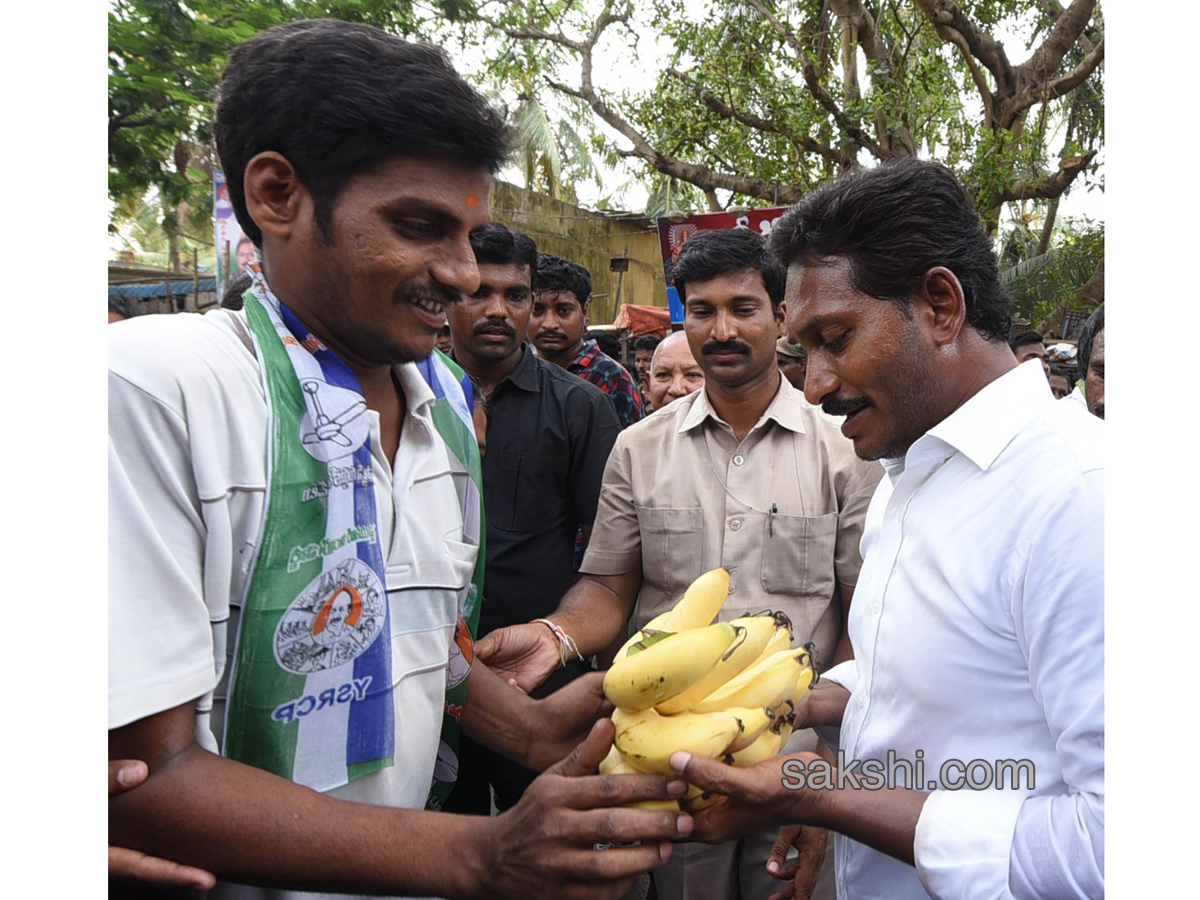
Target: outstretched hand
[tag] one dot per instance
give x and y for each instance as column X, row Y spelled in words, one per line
column 753, row 798
column 123, row 775
column 546, row 845
column 523, row 655
column 565, row 718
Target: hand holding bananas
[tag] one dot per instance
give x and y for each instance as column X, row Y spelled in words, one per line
column 545, row 846
column 720, row 691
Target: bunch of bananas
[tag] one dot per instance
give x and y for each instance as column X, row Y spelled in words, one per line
column 724, row 691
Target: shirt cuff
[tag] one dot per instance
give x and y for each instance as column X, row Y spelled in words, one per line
column 844, row 673
column 964, row 840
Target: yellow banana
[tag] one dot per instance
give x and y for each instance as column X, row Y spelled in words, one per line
column 614, row 764
column 647, row 740
column 754, row 723
column 766, row 684
column 757, row 632
column 668, row 667
column 697, row 798
column 658, row 623
column 768, row 745
column 701, row 601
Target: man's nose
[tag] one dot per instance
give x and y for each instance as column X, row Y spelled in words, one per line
column 725, row 327
column 819, row 381
column 457, row 268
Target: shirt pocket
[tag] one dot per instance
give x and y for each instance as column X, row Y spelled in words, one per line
column 672, row 545
column 798, row 555
column 530, row 489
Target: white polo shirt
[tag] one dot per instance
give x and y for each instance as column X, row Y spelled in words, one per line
column 978, row 633
column 187, row 483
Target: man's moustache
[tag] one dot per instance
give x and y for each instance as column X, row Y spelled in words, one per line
column 552, row 334
column 841, row 406
column 725, row 347
column 495, row 326
column 435, row 293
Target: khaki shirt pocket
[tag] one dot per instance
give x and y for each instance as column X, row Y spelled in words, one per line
column 798, row 557
column 672, row 545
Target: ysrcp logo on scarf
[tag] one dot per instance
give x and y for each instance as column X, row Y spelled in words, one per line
column 333, row 424
column 337, row 616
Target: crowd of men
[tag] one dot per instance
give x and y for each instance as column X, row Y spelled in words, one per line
column 315, row 515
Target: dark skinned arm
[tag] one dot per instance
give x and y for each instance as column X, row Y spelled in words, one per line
column 250, row 826
column 594, row 612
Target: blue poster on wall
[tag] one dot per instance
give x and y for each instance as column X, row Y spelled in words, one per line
column 675, row 305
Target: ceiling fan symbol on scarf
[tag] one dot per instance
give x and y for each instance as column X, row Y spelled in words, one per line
column 329, row 428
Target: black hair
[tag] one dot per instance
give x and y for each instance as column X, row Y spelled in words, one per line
column 1021, row 338
column 894, row 223
column 647, row 342
column 1087, row 336
column 120, row 306
column 1063, row 371
column 708, row 254
column 607, row 342
column 500, row 245
column 336, row 98
column 555, row 274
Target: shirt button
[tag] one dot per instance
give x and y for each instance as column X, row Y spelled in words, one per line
column 739, row 459
column 861, row 701
column 732, row 589
column 875, row 606
column 735, row 524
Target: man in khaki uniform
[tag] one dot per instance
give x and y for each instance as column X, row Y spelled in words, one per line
column 743, row 474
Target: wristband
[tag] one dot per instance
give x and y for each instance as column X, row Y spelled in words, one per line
column 565, row 642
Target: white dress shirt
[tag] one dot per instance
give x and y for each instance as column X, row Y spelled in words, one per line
column 978, row 633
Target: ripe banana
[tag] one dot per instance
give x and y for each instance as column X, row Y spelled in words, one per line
column 655, row 625
column 668, row 667
column 754, row 723
column 647, row 740
column 701, row 601
column 766, row 684
column 757, row 633
column 697, row 798
column 768, row 745
column 614, row 764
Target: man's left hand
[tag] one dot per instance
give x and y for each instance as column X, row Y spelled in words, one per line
column 754, row 798
column 562, row 720
column 800, row 873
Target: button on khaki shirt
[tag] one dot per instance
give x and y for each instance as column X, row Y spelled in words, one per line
column 681, row 496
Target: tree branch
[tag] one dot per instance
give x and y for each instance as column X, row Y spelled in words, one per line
column 1033, row 93
column 1062, row 37
column 814, row 84
column 1046, row 188
column 944, row 14
column 750, row 120
column 701, row 176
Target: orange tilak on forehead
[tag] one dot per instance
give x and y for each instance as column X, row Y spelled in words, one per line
column 472, row 200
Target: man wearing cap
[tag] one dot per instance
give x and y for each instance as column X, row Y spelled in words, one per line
column 793, row 360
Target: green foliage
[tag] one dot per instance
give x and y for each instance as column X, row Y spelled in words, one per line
column 165, row 59
column 1040, row 282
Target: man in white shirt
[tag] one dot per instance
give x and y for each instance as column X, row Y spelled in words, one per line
column 978, row 619
column 359, row 164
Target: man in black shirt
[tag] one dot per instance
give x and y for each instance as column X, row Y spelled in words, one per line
column 548, row 440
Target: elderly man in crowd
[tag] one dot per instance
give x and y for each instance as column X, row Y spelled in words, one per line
column 741, row 474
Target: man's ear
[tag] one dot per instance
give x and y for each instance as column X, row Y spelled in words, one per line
column 780, row 316
column 276, row 198
column 942, row 304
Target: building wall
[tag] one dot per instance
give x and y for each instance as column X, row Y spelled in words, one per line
column 590, row 239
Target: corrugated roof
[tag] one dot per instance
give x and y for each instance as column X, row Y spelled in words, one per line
column 159, row 289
